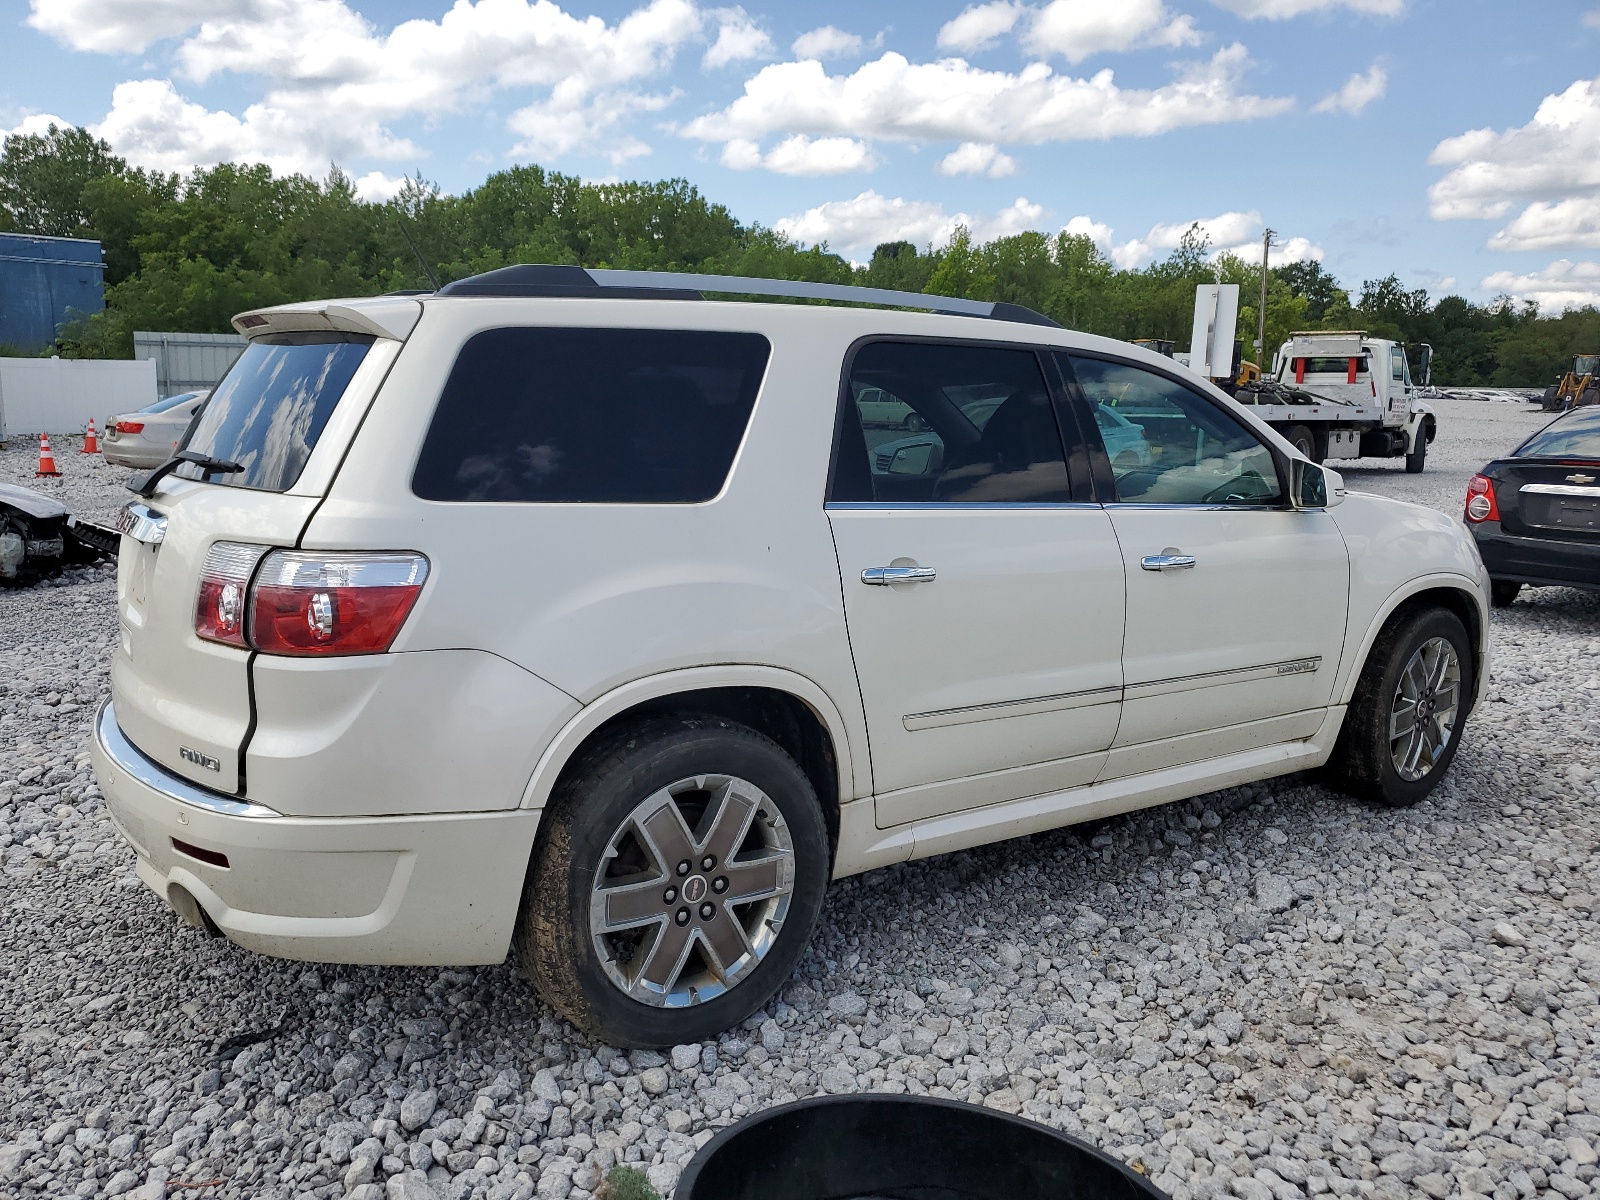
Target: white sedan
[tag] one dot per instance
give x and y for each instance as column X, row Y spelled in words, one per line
column 147, row 438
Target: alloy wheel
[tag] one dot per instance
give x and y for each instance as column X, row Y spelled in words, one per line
column 692, row 891
column 1422, row 715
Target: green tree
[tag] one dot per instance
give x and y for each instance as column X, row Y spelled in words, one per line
column 43, row 177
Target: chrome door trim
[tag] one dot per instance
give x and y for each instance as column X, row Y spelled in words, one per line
column 1060, row 702
column 129, row 759
column 1560, row 489
column 1189, row 683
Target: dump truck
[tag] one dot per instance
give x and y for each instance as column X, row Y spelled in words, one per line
column 1579, row 386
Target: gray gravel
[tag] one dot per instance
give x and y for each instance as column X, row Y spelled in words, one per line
column 1266, row 993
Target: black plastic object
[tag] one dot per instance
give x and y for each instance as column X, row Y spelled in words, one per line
column 878, row 1147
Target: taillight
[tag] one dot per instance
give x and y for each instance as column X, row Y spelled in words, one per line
column 129, row 426
column 1481, row 505
column 327, row 603
column 224, row 581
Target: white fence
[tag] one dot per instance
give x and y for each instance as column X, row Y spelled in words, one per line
column 58, row 395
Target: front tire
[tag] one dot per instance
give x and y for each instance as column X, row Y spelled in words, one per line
column 1404, row 723
column 1416, row 458
column 626, row 931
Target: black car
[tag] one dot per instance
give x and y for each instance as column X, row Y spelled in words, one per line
column 1536, row 512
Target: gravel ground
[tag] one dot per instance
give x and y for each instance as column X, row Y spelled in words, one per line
column 1267, row 992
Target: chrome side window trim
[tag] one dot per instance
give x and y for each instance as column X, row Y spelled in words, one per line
column 127, row 757
column 1133, row 504
column 931, row 506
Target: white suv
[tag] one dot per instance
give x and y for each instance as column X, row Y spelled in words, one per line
column 567, row 609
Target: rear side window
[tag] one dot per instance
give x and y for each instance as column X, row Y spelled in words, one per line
column 271, row 407
column 623, row 416
column 925, row 423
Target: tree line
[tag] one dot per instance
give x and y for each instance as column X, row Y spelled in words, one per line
column 187, row 252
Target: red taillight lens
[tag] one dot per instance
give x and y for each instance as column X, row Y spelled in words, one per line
column 310, row 603
column 129, row 426
column 1481, row 505
column 224, row 582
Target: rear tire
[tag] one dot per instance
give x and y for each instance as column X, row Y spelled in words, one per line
column 1416, row 458
column 1591, row 395
column 1303, row 440
column 1503, row 592
column 1420, row 665
column 652, row 979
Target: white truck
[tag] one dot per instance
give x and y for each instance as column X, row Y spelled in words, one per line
column 1342, row 394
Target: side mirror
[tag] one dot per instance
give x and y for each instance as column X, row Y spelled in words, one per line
column 1311, row 486
column 1427, row 365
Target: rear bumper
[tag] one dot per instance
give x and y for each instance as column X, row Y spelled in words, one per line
column 1537, row 560
column 432, row 889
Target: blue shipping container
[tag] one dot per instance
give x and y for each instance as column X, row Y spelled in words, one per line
column 44, row 282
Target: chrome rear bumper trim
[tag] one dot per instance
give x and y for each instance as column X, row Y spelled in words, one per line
column 127, row 757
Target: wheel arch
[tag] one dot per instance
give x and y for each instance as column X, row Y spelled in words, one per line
column 1451, row 592
column 787, row 707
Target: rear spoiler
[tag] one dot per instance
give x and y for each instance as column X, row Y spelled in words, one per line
column 380, row 316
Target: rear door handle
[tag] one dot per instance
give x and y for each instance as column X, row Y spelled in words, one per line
column 1167, row 561
column 882, row 576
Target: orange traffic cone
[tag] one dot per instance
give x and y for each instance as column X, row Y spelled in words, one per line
column 47, row 458
column 91, row 444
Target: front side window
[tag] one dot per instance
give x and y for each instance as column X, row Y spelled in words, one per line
column 1397, row 365
column 1169, row 445
column 948, row 424
column 272, row 405
column 623, row 416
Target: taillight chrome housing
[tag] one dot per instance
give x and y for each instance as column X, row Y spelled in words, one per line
column 306, row 602
column 1481, row 504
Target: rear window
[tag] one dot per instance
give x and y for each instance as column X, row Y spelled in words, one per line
column 628, row 416
column 271, row 407
column 1575, row 436
column 161, row 406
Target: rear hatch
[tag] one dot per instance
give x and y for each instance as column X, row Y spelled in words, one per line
column 284, row 415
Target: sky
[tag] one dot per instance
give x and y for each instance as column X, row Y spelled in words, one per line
column 1454, row 143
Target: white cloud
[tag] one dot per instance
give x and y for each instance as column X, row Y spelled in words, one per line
column 1550, row 163
column 895, row 99
column 1279, row 10
column 1097, row 232
column 977, row 158
column 335, row 83
column 121, row 27
column 1076, row 29
column 855, row 226
column 979, row 26
column 376, row 187
column 738, row 38
column 1358, row 91
column 801, row 155
column 828, row 42
column 1236, row 233
column 1562, row 285
column 35, row 124
column 1591, row 19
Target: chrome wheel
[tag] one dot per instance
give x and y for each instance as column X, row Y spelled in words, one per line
column 692, row 891
column 1422, row 715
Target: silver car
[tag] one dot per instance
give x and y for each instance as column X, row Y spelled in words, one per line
column 148, row 437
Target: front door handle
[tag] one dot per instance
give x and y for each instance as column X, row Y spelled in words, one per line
column 1168, row 560
column 882, row 576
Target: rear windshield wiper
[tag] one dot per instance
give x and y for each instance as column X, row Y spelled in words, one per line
column 147, row 486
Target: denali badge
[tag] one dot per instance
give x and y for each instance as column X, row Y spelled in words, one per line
column 198, row 759
column 1298, row 668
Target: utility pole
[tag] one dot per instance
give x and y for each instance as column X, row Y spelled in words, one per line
column 1261, row 340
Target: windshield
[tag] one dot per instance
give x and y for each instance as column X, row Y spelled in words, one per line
column 1585, row 364
column 1574, row 436
column 271, row 406
column 161, row 406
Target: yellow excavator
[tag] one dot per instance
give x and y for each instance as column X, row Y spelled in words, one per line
column 1578, row 387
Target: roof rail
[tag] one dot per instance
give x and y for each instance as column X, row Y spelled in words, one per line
column 534, row 280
